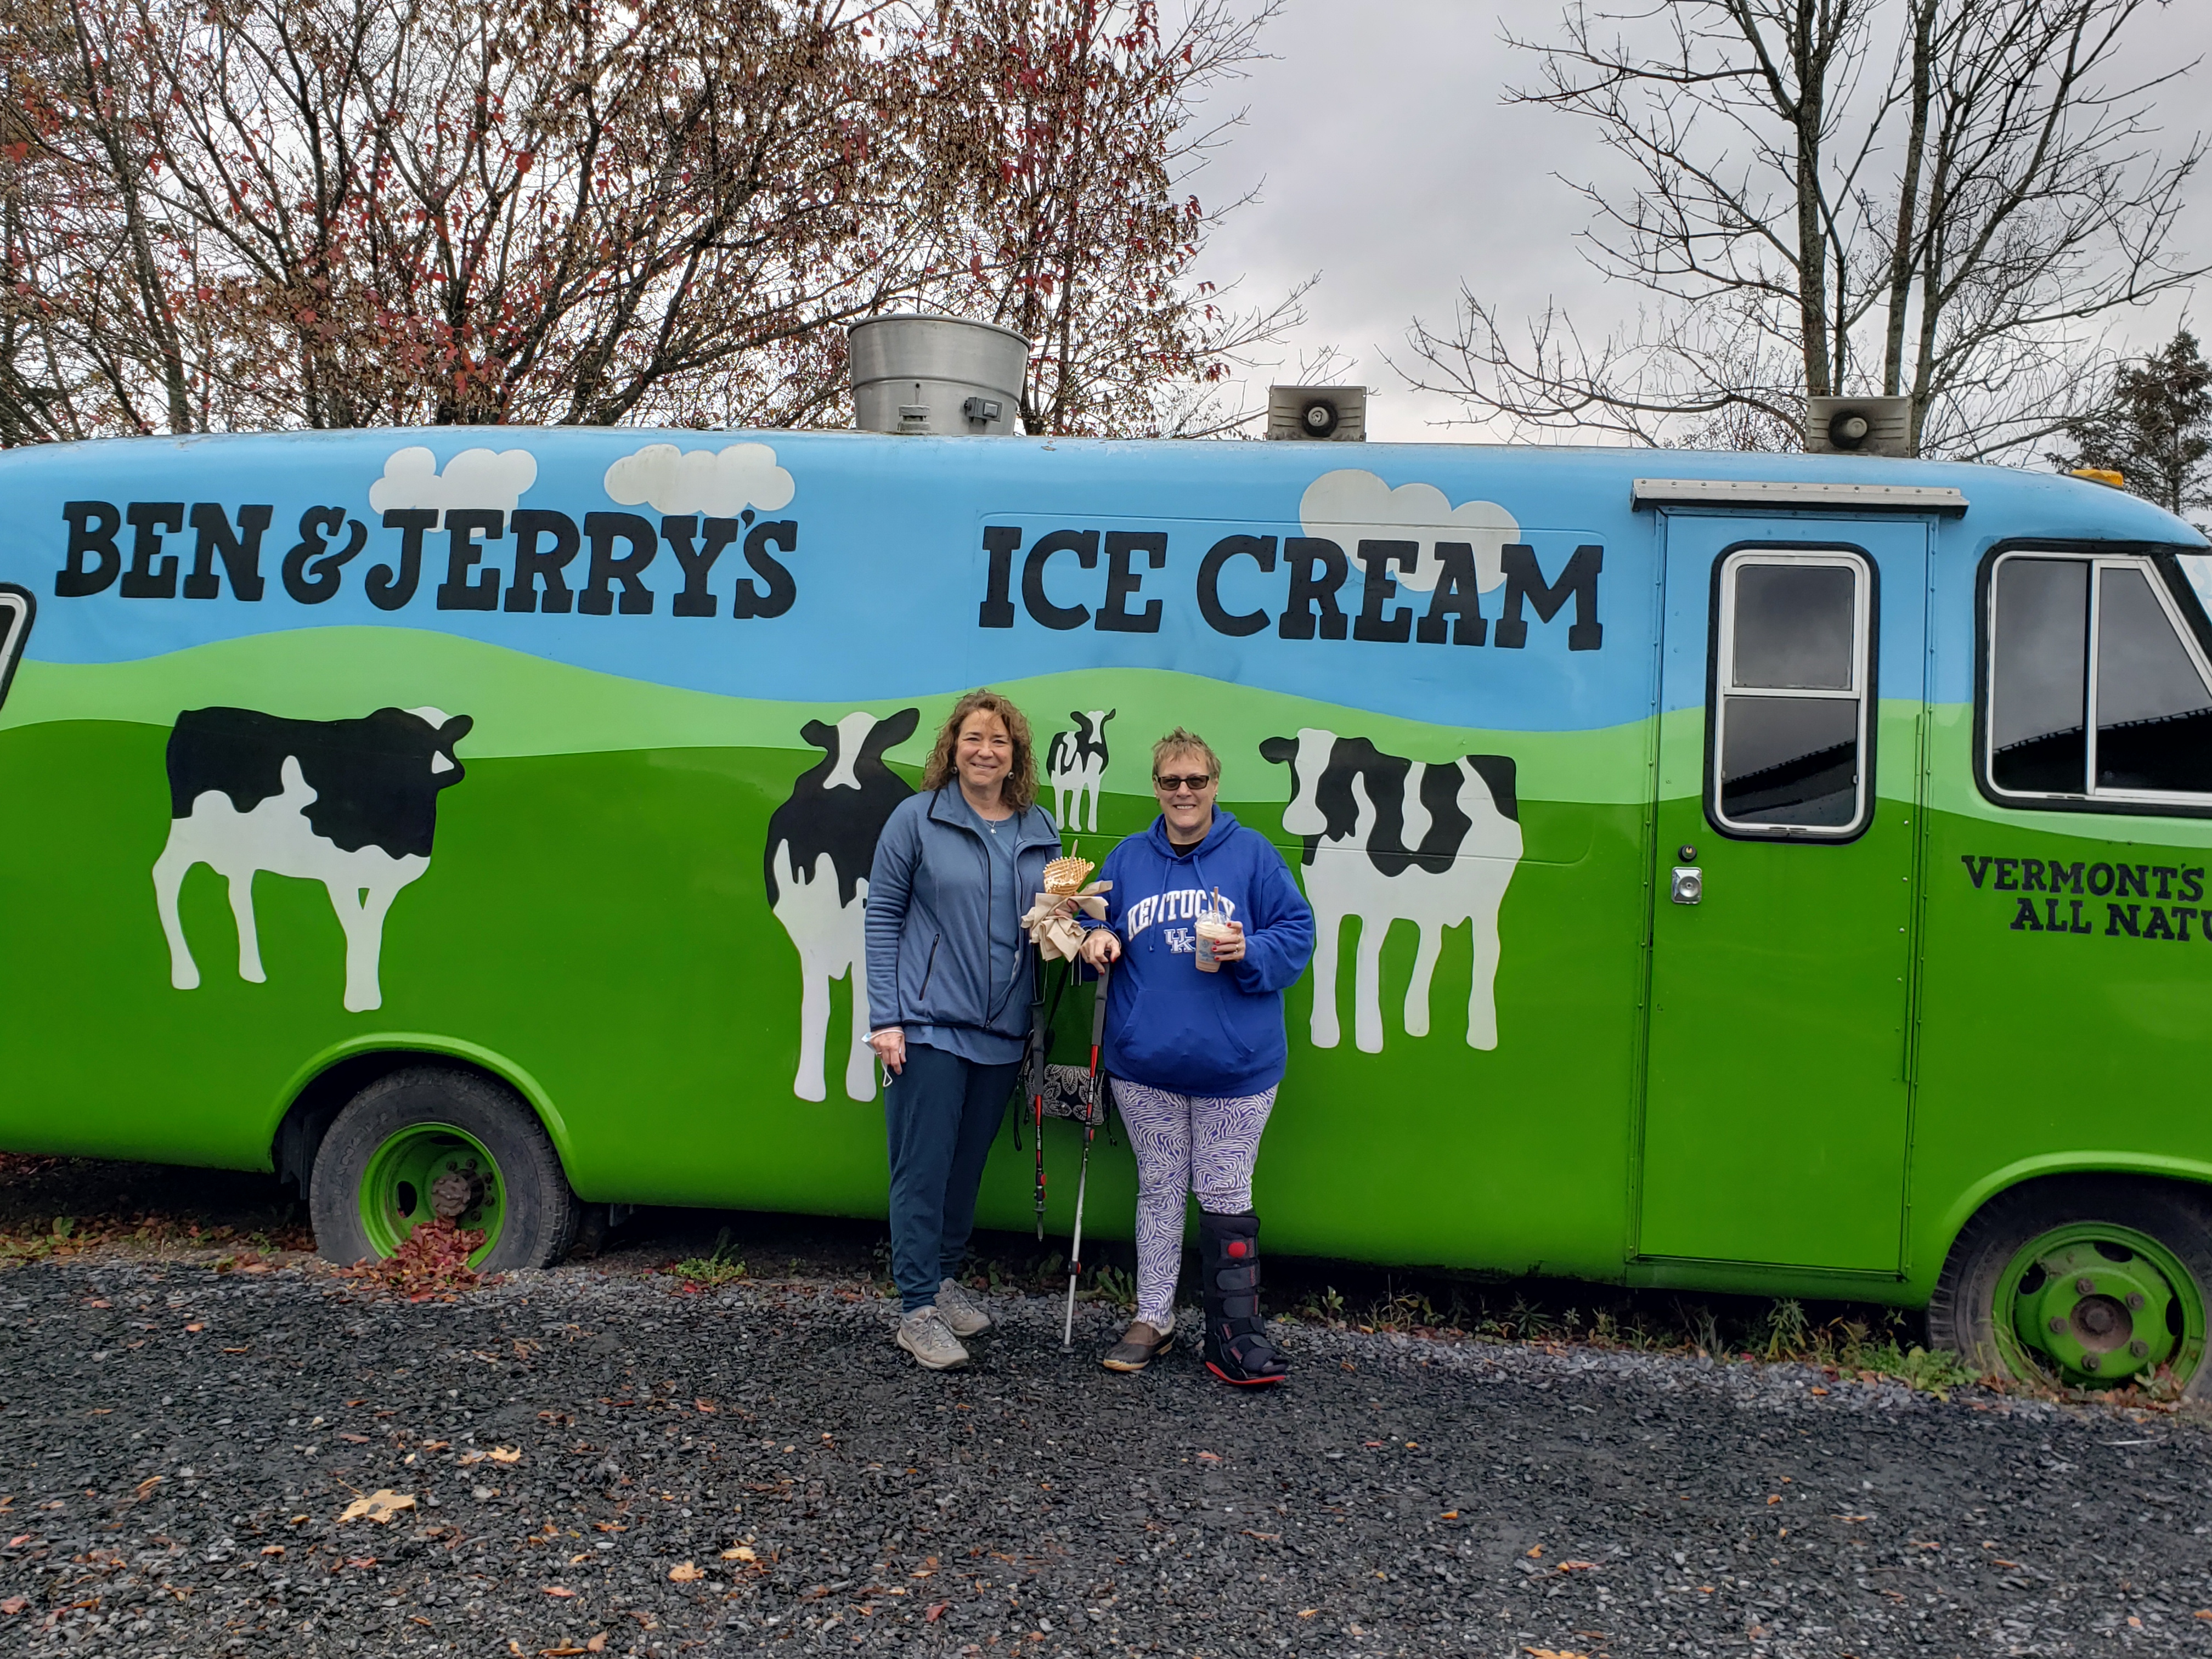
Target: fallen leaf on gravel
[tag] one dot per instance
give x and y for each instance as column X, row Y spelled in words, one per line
column 436, row 1445
column 684, row 1572
column 196, row 1327
column 361, row 1562
column 1535, row 1550
column 1577, row 1567
column 559, row 1653
column 1554, row 1653
column 1817, row 1391
column 704, row 1405
column 468, row 1457
column 936, row 1612
column 2202, row 1612
column 560, row 1591
column 1372, row 1445
column 742, row 1553
column 148, row 1485
column 379, row 1506
column 97, row 1302
column 1774, row 1497
column 597, row 1643
column 1215, row 1457
column 14, row 1605
column 2133, row 1623
column 1308, row 1612
column 235, row 1350
column 356, row 1440
column 505, row 1455
column 2001, row 1562
column 272, row 1549
column 1855, row 1517
column 19, row 1540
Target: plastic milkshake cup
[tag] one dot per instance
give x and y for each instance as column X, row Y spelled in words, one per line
column 1213, row 926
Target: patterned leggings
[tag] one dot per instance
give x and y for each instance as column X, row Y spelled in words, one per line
column 1201, row 1144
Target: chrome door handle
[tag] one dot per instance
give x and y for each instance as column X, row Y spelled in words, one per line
column 1689, row 884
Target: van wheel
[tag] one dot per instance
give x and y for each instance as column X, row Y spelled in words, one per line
column 433, row 1141
column 2083, row 1283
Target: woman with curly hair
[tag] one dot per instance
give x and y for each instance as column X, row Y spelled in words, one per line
column 950, row 973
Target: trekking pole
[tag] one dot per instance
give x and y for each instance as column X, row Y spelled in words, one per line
column 1040, row 1051
column 1089, row 1132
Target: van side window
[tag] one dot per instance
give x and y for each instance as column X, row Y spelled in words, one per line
column 1791, row 673
column 16, row 608
column 2096, row 691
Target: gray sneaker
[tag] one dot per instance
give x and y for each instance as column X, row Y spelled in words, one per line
column 924, row 1334
column 961, row 1311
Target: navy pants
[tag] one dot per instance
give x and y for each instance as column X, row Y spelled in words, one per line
column 941, row 1112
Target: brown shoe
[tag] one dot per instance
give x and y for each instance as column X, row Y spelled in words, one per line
column 1140, row 1345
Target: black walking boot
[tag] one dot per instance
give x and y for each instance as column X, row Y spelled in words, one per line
column 1236, row 1348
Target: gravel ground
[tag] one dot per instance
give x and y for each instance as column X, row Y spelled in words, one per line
column 598, row 1464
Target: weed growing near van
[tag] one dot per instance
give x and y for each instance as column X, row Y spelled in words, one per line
column 719, row 1267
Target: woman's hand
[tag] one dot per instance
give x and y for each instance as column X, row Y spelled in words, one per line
column 1100, row 946
column 890, row 1045
column 1232, row 948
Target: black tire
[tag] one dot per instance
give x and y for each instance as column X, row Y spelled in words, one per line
column 1962, row 1314
column 542, row 1213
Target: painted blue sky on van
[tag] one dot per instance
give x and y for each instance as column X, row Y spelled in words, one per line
column 1472, row 586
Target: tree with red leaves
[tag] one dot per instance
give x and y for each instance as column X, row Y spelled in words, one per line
column 261, row 214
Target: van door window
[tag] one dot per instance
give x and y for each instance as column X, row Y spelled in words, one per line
column 1791, row 672
column 16, row 608
column 2096, row 692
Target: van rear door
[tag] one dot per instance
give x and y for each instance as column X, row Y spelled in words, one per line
column 1775, row 1114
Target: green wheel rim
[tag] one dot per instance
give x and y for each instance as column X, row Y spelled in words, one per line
column 2097, row 1305
column 427, row 1169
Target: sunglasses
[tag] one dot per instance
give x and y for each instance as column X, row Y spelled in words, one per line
column 1196, row 783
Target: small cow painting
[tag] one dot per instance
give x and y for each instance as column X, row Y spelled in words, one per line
column 1389, row 840
column 351, row 804
column 821, row 843
column 1076, row 765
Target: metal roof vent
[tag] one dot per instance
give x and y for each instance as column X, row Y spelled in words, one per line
column 1335, row 414
column 918, row 372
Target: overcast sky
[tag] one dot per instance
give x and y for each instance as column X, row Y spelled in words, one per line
column 1387, row 161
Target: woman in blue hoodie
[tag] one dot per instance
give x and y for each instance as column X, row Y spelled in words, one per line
column 1195, row 1056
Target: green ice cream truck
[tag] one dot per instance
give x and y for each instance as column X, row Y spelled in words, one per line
column 1782, row 874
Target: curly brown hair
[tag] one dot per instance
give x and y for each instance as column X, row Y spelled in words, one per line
column 1018, row 788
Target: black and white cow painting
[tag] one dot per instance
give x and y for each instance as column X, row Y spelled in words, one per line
column 821, row 843
column 351, row 804
column 1387, row 839
column 1075, row 764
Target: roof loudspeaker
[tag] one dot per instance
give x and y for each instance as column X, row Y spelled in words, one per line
column 1333, row 414
column 1859, row 426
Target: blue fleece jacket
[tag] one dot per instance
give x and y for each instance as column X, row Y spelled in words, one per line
column 929, row 922
column 1167, row 1024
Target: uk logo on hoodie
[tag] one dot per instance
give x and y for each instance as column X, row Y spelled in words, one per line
column 1180, row 904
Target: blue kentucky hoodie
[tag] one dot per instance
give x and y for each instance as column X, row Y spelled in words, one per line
column 1169, row 1025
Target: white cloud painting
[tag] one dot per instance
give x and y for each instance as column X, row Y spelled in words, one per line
column 721, row 483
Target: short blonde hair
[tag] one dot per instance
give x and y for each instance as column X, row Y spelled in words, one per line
column 1180, row 742
column 1019, row 786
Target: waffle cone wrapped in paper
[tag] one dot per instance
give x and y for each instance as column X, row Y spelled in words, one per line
column 1064, row 877
column 1051, row 921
